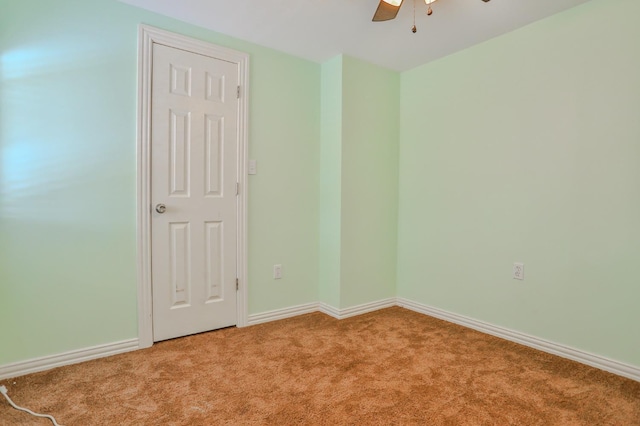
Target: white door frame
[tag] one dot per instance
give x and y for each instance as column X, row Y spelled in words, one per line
column 147, row 36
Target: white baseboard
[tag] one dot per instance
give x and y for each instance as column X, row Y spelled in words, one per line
column 606, row 364
column 356, row 310
column 279, row 314
column 293, row 311
column 329, row 310
column 100, row 351
column 72, row 357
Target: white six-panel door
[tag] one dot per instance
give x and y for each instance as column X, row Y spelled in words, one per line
column 194, row 156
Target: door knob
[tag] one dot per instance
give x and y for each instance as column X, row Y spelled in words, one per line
column 161, row 208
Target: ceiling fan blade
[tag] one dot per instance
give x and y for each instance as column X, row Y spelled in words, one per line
column 386, row 11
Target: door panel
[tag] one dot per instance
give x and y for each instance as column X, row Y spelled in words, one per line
column 194, row 158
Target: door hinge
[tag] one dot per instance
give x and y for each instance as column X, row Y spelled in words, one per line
column 237, row 284
column 237, row 188
column 238, row 92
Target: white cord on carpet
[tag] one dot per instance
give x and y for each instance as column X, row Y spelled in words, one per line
column 3, row 391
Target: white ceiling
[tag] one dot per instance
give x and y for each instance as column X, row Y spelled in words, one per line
column 321, row 29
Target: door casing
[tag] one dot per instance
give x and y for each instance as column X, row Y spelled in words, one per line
column 147, row 36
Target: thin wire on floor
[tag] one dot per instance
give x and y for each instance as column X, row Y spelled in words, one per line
column 3, row 391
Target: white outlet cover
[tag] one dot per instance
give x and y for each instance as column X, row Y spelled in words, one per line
column 518, row 271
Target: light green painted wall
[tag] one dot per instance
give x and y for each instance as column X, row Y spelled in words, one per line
column 548, row 112
column 330, row 182
column 370, row 121
column 359, row 181
column 68, row 176
column 527, row 148
column 283, row 199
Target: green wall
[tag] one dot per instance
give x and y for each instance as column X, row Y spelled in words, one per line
column 330, row 188
column 369, row 182
column 359, row 181
column 68, row 176
column 526, row 148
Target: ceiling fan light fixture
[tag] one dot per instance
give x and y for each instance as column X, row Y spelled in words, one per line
column 388, row 9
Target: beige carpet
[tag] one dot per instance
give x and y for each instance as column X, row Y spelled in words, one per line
column 391, row 367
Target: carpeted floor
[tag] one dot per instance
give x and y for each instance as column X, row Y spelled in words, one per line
column 390, row 367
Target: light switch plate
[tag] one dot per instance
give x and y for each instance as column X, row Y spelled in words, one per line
column 277, row 272
column 253, row 167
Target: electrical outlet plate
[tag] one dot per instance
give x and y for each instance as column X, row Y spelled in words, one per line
column 518, row 271
column 277, row 272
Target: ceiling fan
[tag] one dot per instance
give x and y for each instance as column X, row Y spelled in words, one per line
column 388, row 9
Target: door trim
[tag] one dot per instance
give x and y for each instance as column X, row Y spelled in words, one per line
column 147, row 37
